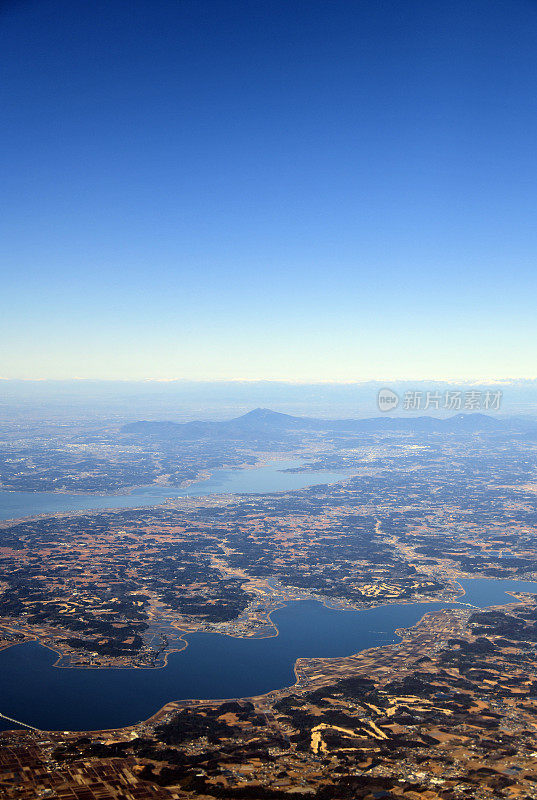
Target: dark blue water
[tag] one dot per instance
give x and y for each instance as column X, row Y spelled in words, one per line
column 260, row 480
column 212, row 666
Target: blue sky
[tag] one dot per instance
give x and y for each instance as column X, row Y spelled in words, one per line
column 254, row 190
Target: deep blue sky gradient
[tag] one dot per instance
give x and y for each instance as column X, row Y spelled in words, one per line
column 297, row 190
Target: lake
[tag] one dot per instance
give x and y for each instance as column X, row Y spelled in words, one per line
column 258, row 480
column 212, row 666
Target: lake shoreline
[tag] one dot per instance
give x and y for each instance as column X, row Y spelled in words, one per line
column 261, row 478
column 307, row 630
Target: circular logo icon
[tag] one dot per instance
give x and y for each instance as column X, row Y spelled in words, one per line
column 387, row 400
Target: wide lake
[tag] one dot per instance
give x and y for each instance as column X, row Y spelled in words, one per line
column 258, row 480
column 212, row 666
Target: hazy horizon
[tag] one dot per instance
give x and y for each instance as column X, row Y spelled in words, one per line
column 185, row 400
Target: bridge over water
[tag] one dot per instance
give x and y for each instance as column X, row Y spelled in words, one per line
column 18, row 722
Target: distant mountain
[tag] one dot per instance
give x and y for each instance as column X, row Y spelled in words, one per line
column 472, row 422
column 264, row 423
